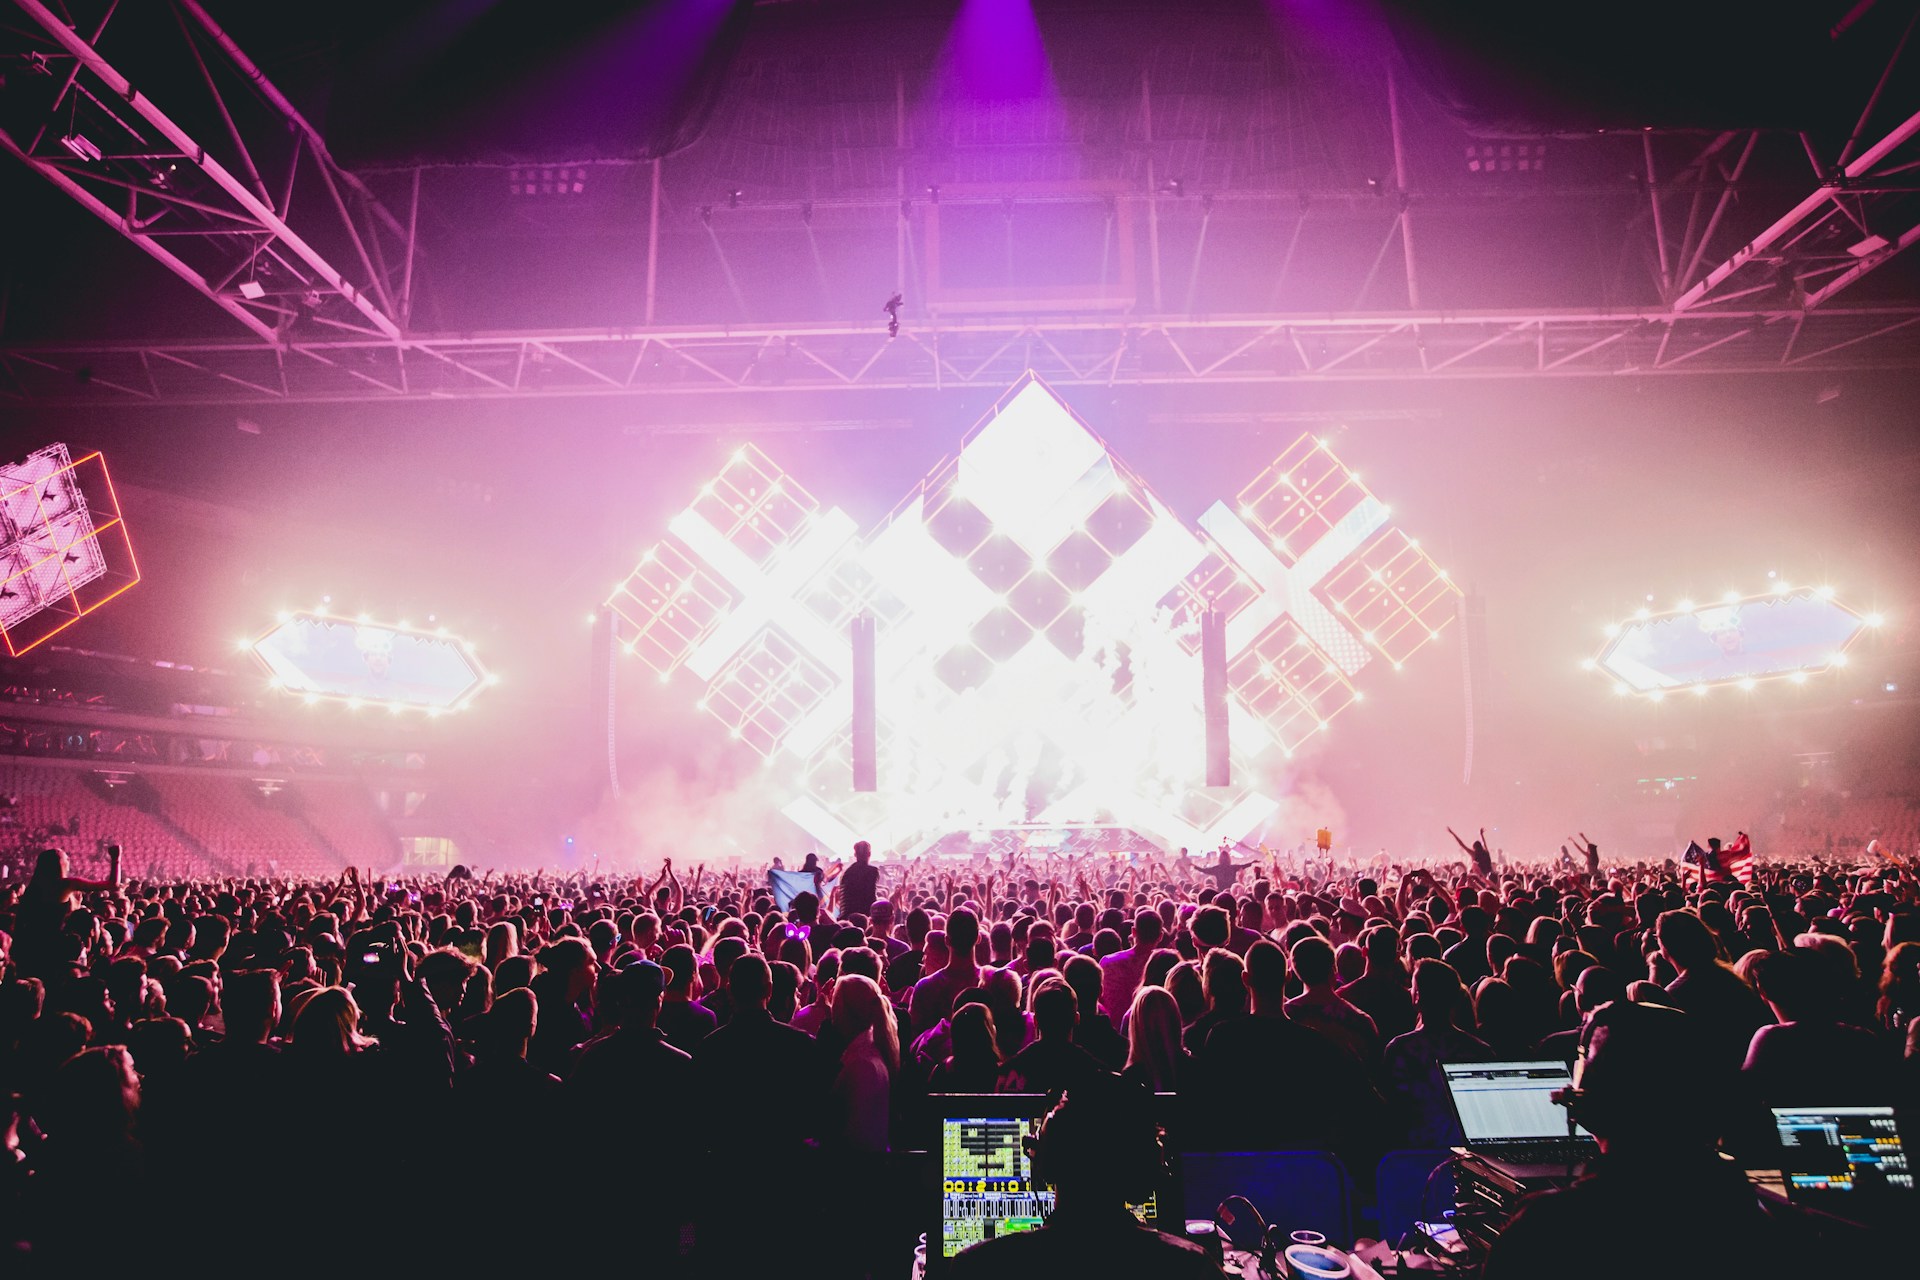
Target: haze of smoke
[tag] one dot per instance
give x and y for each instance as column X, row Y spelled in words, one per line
column 717, row 809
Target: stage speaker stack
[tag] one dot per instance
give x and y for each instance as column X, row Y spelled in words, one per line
column 866, row 767
column 1213, row 696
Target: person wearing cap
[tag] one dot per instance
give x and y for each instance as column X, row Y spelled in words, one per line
column 633, row 1065
column 1659, row 1199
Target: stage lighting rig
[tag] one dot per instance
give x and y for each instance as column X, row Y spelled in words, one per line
column 321, row 656
column 1038, row 611
column 64, row 549
column 1783, row 633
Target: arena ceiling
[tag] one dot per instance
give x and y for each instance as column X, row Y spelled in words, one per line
column 226, row 203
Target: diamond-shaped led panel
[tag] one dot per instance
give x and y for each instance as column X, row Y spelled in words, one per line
column 64, row 549
column 754, row 505
column 669, row 605
column 1395, row 594
column 1289, row 684
column 322, row 657
column 1300, row 497
column 1783, row 634
column 769, row 687
column 1218, row 584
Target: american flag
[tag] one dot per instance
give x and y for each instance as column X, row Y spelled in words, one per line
column 1735, row 861
column 1737, row 858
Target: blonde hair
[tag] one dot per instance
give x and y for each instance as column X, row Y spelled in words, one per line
column 858, row 1006
column 1153, row 1036
column 328, row 1024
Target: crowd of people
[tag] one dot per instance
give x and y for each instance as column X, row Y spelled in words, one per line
column 703, row 1068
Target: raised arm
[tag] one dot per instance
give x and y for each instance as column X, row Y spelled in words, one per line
column 1464, row 846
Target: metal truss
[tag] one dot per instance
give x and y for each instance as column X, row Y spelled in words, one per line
column 1080, row 351
column 1862, row 212
column 248, row 208
column 228, row 186
column 1851, row 224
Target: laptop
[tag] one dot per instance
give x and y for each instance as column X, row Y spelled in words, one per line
column 1844, row 1161
column 1510, row 1119
column 986, row 1184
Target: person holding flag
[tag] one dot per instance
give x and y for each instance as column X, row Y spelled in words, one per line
column 1719, row 865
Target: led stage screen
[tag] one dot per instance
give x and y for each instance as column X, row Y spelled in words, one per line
column 343, row 659
column 1757, row 638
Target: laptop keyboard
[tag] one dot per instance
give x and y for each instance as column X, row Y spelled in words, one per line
column 1543, row 1150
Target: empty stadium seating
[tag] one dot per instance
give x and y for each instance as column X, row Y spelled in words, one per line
column 1832, row 823
column 83, row 817
column 179, row 823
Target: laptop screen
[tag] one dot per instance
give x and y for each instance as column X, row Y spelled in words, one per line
column 1830, row 1152
column 986, row 1180
column 1509, row 1101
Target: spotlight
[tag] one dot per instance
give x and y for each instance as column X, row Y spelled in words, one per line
column 1874, row 619
column 733, row 198
column 1686, row 606
column 1174, row 187
column 1798, row 677
column 1825, row 593
column 1658, row 695
column 1731, row 597
column 1838, row 660
column 1749, row 684
column 1587, row 664
column 82, row 147
column 933, row 193
column 252, row 290
column 1891, row 687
